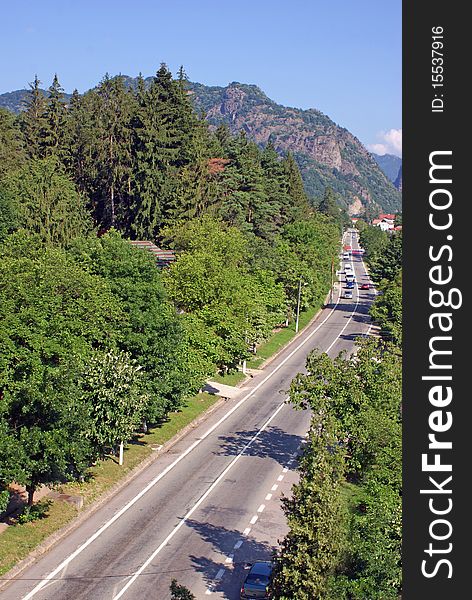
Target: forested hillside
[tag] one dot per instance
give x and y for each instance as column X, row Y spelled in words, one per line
column 97, row 343
column 327, row 154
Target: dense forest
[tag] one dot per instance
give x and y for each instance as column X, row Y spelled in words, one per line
column 344, row 517
column 97, row 343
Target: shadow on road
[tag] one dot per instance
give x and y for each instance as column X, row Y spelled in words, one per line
column 223, row 541
column 273, row 443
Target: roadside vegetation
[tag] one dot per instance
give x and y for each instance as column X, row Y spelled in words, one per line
column 97, row 345
column 344, row 517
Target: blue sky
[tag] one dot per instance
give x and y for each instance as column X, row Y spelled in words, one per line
column 342, row 57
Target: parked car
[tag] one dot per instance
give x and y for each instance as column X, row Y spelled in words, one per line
column 349, row 285
column 365, row 286
column 257, row 582
column 349, row 277
column 348, row 294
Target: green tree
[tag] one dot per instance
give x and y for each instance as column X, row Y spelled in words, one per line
column 387, row 310
column 12, row 151
column 152, row 333
column 311, row 550
column 180, row 592
column 54, row 117
column 52, row 315
column 362, row 397
column 387, row 262
column 374, row 241
column 32, row 120
column 300, row 208
column 41, row 199
column 113, row 393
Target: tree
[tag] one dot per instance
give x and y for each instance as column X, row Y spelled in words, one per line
column 387, row 309
column 210, row 283
column 52, row 315
column 54, row 116
column 300, row 208
column 32, row 120
column 41, row 199
column 12, row 151
column 310, row 552
column 152, row 334
column 374, row 241
column 328, row 205
column 387, row 262
column 113, row 393
column 180, row 592
column 360, row 398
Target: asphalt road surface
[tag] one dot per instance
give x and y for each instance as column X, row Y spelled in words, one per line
column 212, row 502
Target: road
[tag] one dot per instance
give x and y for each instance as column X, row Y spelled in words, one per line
column 212, row 502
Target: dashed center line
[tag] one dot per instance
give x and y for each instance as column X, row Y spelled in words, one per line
column 274, row 487
column 238, row 544
column 253, row 520
column 261, row 508
column 268, row 497
column 229, row 559
column 280, row 477
column 247, row 531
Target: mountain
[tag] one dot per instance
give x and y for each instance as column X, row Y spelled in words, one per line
column 13, row 101
column 398, row 183
column 390, row 165
column 326, row 153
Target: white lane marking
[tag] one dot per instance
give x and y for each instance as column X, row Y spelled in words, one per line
column 274, row 487
column 261, row 508
column 247, row 531
column 220, row 574
column 229, row 559
column 253, row 520
column 239, row 543
column 285, row 469
column 280, row 477
column 268, row 497
column 196, row 505
column 209, row 592
column 153, row 482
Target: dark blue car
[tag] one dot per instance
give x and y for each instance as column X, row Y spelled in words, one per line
column 256, row 584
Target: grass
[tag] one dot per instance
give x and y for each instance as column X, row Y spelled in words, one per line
column 280, row 339
column 17, row 541
column 230, row 378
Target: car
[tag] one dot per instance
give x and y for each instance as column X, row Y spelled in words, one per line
column 365, row 286
column 348, row 267
column 349, row 277
column 257, row 582
column 349, row 285
column 348, row 294
column 346, row 255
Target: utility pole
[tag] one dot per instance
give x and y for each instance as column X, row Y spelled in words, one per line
column 298, row 304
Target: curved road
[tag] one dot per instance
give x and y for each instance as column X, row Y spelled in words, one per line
column 209, row 504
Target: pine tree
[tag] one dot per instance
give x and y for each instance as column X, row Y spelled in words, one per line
column 54, row 120
column 108, row 144
column 165, row 129
column 32, row 119
column 299, row 205
column 328, row 204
